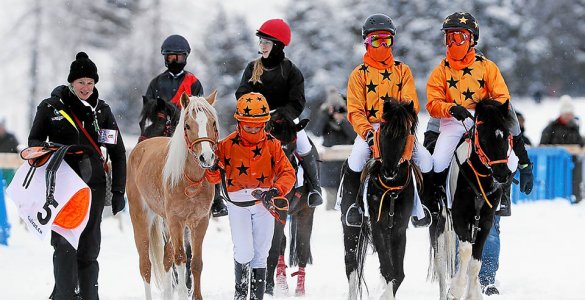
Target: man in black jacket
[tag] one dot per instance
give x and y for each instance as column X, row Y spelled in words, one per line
column 8, row 143
column 170, row 85
column 63, row 118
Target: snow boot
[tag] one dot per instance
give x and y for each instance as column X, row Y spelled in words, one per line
column 258, row 284
column 311, row 168
column 351, row 212
column 281, row 284
column 425, row 221
column 300, row 290
column 242, row 276
column 218, row 208
column 490, row 289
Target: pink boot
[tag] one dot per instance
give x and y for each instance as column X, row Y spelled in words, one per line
column 281, row 284
column 300, row 291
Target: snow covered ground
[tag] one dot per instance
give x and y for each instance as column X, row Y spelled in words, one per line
column 542, row 258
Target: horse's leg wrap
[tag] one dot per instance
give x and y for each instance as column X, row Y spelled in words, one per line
column 311, row 168
column 300, row 290
column 281, row 284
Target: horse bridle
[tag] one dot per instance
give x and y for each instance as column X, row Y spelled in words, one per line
column 485, row 160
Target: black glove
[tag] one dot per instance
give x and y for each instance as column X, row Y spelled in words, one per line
column 526, row 179
column 265, row 196
column 118, row 202
column 370, row 138
column 460, row 113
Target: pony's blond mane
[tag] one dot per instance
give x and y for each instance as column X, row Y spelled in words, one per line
column 177, row 147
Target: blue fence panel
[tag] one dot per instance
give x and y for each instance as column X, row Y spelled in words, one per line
column 4, row 225
column 553, row 175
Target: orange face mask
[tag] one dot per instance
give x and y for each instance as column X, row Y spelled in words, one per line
column 458, row 44
column 252, row 138
column 379, row 54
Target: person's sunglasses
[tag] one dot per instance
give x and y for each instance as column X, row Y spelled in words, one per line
column 456, row 37
column 377, row 40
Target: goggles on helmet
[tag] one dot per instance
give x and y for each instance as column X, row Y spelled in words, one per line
column 377, row 40
column 456, row 37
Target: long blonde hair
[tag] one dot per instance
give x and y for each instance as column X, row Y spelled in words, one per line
column 257, row 71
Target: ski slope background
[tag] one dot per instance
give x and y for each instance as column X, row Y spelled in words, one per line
column 542, row 250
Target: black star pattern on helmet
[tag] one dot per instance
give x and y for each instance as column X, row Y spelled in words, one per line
column 226, row 161
column 386, row 74
column 371, row 87
column 248, row 99
column 386, row 98
column 399, row 85
column 259, row 98
column 230, row 181
column 264, row 108
column 243, row 169
column 467, row 70
column 452, row 82
column 247, row 111
column 479, row 58
column 235, row 140
column 468, row 94
column 372, row 112
column 257, row 151
column 481, row 83
column 261, row 178
column 364, row 69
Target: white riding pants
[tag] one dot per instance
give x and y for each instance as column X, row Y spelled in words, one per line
column 360, row 153
column 450, row 132
column 303, row 144
column 252, row 228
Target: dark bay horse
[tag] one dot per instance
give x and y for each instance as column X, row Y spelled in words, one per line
column 168, row 191
column 301, row 216
column 158, row 118
column 388, row 188
column 482, row 171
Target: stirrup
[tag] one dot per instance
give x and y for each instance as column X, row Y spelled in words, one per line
column 357, row 210
column 426, row 221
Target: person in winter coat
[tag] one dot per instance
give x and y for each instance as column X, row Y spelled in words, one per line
column 565, row 129
column 282, row 83
column 379, row 78
column 461, row 79
column 172, row 83
column 59, row 120
column 254, row 162
column 8, row 142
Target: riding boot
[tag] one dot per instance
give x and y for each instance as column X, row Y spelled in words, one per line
column 258, row 284
column 351, row 212
column 311, row 168
column 64, row 268
column 439, row 185
column 218, row 208
column 300, row 290
column 242, row 276
column 424, row 221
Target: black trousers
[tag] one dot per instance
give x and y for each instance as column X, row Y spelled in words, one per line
column 79, row 268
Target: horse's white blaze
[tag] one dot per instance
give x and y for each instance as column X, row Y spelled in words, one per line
column 206, row 150
column 499, row 133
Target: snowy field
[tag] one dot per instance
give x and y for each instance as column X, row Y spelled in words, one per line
column 542, row 258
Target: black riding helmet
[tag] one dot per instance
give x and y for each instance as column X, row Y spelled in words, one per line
column 175, row 44
column 378, row 22
column 462, row 20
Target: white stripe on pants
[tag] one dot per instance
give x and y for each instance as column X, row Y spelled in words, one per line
column 252, row 228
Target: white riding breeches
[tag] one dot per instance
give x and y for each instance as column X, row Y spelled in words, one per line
column 252, row 228
column 303, row 144
column 450, row 132
column 360, row 153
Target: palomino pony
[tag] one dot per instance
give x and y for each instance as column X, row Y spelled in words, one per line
column 482, row 171
column 301, row 216
column 168, row 191
column 158, row 118
column 388, row 189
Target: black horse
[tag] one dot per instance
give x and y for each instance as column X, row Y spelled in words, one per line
column 158, row 118
column 482, row 171
column 389, row 189
column 301, row 216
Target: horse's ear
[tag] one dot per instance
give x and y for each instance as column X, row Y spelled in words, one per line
column 184, row 100
column 302, row 124
column 505, row 108
column 211, row 98
column 145, row 100
column 410, row 106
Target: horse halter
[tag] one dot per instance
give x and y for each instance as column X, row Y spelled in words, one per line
column 191, row 144
column 485, row 160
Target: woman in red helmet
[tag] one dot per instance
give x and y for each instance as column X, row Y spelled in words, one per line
column 282, row 83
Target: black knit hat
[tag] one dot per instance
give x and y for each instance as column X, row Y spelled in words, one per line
column 81, row 67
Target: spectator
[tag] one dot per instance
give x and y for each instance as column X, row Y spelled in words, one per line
column 332, row 124
column 8, row 143
column 521, row 121
column 565, row 129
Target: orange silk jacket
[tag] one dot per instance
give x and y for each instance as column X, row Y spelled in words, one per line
column 263, row 165
column 368, row 88
column 447, row 86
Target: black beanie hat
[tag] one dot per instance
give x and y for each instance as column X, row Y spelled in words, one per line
column 81, row 67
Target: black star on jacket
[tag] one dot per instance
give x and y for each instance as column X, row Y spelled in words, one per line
column 467, row 70
column 386, row 75
column 452, row 82
column 243, row 169
column 257, row 151
column 372, row 112
column 371, row 87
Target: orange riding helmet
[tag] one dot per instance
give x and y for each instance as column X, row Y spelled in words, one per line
column 253, row 108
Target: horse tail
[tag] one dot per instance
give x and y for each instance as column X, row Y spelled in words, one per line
column 361, row 253
column 156, row 250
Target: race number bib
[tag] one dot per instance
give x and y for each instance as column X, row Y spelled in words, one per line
column 108, row 136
